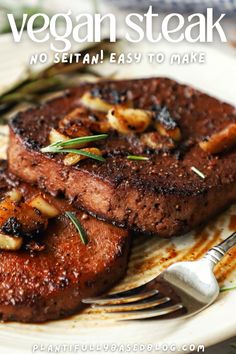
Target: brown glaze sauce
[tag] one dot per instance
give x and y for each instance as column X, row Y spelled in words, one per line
column 165, row 256
column 226, row 266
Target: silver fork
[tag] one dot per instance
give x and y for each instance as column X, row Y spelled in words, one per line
column 183, row 289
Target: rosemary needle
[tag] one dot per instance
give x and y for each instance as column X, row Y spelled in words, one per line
column 137, row 158
column 199, row 173
column 79, row 228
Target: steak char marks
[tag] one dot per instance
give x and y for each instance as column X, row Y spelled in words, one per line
column 160, row 196
column 49, row 284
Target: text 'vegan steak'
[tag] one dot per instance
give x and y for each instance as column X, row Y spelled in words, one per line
column 162, row 195
column 49, row 284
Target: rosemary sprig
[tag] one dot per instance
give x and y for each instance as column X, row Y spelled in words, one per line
column 67, row 146
column 199, row 173
column 81, row 140
column 73, row 151
column 228, row 288
column 137, row 158
column 78, row 226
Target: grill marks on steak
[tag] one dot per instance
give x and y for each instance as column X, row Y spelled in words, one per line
column 160, row 196
column 49, row 284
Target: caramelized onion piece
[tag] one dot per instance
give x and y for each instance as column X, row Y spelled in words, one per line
column 174, row 134
column 80, row 122
column 15, row 195
column 75, row 114
column 55, row 136
column 20, row 218
column 77, row 130
column 75, row 124
column 72, row 159
column 10, row 243
column 220, row 141
column 95, row 103
column 129, row 120
column 47, row 209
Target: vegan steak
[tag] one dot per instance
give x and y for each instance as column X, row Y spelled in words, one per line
column 165, row 161
column 45, row 275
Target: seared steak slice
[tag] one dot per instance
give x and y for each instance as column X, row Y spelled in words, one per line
column 48, row 283
column 163, row 195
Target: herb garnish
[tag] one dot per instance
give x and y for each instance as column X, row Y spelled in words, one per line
column 199, row 173
column 75, row 151
column 81, row 140
column 228, row 288
column 137, row 158
column 60, row 146
column 79, row 228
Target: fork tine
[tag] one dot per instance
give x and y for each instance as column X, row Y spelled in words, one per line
column 129, row 292
column 134, row 306
column 142, row 314
column 115, row 299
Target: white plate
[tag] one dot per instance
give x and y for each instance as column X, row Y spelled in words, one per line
column 149, row 255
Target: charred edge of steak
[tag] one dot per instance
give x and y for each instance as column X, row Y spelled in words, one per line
column 15, row 121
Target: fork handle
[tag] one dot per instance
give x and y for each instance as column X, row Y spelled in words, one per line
column 216, row 253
